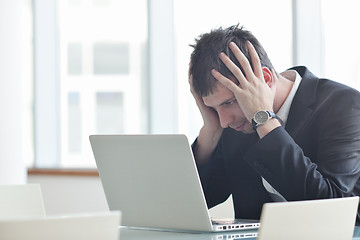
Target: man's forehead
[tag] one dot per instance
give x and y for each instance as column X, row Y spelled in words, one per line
column 220, row 95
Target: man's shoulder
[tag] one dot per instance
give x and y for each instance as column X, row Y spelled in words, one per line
column 337, row 86
column 329, row 89
column 323, row 87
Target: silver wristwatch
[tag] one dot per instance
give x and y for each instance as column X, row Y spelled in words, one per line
column 262, row 117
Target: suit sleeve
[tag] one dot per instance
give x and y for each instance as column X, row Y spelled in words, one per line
column 333, row 169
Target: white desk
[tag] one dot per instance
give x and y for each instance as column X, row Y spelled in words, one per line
column 135, row 234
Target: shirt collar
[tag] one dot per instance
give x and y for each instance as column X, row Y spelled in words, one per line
column 285, row 108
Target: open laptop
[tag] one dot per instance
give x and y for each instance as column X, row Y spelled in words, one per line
column 328, row 219
column 153, row 181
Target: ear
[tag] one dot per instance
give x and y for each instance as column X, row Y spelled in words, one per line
column 268, row 77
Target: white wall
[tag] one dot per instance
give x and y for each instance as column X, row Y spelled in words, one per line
column 15, row 59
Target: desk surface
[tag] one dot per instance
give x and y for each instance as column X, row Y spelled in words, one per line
column 135, row 234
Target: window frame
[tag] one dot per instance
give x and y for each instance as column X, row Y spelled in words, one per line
column 46, row 85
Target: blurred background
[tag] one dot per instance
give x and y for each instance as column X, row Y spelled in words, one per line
column 71, row 68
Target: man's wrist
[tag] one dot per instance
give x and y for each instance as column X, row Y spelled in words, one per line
column 261, row 117
column 263, row 129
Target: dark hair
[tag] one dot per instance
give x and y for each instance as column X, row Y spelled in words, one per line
column 207, row 48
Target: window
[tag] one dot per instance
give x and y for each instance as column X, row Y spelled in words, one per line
column 101, row 65
column 341, row 37
column 100, row 82
column 111, row 66
column 99, row 87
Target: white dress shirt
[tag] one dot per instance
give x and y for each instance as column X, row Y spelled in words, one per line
column 283, row 115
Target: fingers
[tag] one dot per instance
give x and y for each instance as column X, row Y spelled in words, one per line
column 225, row 81
column 233, row 68
column 252, row 74
column 244, row 62
column 255, row 60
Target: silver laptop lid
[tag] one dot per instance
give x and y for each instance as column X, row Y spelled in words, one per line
column 152, row 180
column 330, row 219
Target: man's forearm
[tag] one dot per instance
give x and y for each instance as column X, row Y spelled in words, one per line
column 205, row 145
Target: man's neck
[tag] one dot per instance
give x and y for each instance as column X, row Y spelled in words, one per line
column 285, row 83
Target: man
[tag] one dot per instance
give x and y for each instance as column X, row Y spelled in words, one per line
column 268, row 136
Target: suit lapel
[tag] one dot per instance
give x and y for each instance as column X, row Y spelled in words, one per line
column 305, row 96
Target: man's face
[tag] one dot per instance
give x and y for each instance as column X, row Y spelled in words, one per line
column 228, row 109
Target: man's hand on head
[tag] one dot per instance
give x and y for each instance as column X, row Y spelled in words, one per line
column 209, row 115
column 211, row 131
column 256, row 90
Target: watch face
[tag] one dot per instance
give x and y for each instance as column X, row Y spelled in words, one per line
column 261, row 117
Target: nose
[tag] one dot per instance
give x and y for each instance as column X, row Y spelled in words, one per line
column 225, row 118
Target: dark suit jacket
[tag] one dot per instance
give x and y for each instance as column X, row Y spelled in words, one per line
column 316, row 155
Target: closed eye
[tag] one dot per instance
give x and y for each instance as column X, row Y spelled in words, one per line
column 230, row 102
